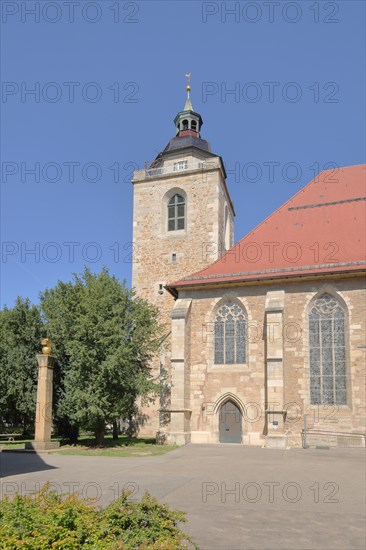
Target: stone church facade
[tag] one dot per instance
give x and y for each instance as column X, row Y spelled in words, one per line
column 260, row 334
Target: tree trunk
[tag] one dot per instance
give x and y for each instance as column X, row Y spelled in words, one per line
column 99, row 433
column 73, row 434
column 130, row 429
column 115, row 430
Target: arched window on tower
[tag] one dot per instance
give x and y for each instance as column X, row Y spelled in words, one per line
column 230, row 334
column 327, row 341
column 194, row 125
column 176, row 213
column 185, row 124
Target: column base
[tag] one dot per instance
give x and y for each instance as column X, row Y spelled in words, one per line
column 42, row 445
column 275, row 441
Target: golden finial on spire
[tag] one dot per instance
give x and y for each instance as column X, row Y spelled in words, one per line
column 188, row 77
column 188, row 105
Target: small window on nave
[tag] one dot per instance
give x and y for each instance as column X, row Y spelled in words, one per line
column 176, row 213
column 327, row 342
column 230, row 334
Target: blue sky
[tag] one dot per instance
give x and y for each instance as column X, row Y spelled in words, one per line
column 109, row 78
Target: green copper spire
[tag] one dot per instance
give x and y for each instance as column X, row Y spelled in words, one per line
column 188, row 105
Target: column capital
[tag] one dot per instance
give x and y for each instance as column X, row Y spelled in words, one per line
column 45, row 360
column 181, row 308
column 275, row 301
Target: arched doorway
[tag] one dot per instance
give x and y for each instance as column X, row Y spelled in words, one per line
column 230, row 423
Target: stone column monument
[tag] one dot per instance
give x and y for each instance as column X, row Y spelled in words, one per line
column 43, row 423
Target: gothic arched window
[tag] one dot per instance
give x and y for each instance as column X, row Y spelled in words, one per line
column 176, row 213
column 230, row 334
column 327, row 352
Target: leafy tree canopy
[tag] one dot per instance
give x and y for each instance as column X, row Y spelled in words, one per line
column 106, row 340
column 21, row 333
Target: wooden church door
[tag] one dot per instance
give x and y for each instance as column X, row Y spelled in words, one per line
column 230, row 422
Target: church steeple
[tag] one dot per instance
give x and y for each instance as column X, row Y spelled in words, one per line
column 188, row 122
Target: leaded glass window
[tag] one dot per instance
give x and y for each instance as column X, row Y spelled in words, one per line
column 176, row 213
column 230, row 334
column 327, row 352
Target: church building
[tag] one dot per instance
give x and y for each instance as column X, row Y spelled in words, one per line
column 261, row 334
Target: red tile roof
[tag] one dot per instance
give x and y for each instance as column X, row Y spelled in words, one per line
column 319, row 230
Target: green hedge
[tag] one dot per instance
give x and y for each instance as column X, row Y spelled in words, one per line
column 50, row 521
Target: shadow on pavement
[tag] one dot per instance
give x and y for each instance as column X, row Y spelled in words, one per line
column 14, row 463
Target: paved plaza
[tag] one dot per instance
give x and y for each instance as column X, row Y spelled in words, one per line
column 236, row 497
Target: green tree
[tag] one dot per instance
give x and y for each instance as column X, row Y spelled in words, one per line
column 105, row 339
column 21, row 333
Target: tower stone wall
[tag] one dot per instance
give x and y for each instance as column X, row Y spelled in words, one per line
column 161, row 256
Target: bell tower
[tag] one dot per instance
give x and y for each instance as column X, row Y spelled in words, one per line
column 182, row 218
column 188, row 122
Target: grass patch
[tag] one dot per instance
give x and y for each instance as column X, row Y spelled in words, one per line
column 13, row 444
column 19, row 442
column 124, row 446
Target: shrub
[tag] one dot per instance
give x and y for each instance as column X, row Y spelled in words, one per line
column 49, row 520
